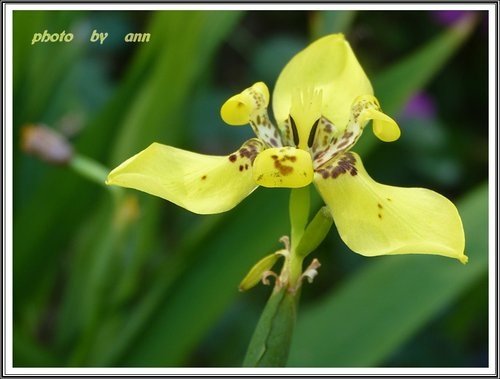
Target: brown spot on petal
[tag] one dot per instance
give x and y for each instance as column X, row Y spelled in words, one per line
column 347, row 135
column 344, row 143
column 244, row 152
column 284, row 170
column 345, row 164
column 203, row 177
column 232, row 158
column 324, row 173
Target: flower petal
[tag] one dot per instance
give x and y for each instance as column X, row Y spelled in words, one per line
column 285, row 167
column 384, row 127
column 327, row 65
column 330, row 143
column 375, row 219
column 250, row 107
column 202, row 184
column 239, row 108
column 368, row 108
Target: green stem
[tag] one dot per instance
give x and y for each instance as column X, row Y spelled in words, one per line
column 89, row 168
column 93, row 171
column 299, row 215
column 270, row 343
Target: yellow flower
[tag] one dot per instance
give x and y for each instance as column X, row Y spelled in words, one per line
column 322, row 101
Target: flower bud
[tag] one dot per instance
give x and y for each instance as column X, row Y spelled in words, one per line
column 258, row 271
column 45, row 143
column 315, row 232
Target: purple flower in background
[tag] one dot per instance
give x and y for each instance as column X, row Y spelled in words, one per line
column 448, row 18
column 420, row 106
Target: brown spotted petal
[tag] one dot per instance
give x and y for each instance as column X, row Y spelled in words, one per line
column 376, row 219
column 331, row 142
column 285, row 167
column 250, row 107
column 200, row 183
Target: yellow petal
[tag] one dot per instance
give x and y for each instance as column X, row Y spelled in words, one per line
column 283, row 167
column 238, row 109
column 367, row 108
column 384, row 127
column 202, row 184
column 329, row 66
column 376, row 219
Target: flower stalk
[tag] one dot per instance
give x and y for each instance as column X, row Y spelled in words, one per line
column 271, row 341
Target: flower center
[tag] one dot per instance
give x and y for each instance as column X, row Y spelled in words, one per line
column 305, row 111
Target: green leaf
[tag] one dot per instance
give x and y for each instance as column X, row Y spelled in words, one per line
column 29, row 353
column 398, row 83
column 202, row 293
column 326, row 22
column 391, row 298
column 107, row 268
column 161, row 102
column 270, row 343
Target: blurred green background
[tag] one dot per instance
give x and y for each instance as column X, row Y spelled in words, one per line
column 130, row 280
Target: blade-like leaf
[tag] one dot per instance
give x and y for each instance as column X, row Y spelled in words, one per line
column 398, row 83
column 160, row 92
column 206, row 290
column 326, row 22
column 271, row 340
column 395, row 86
